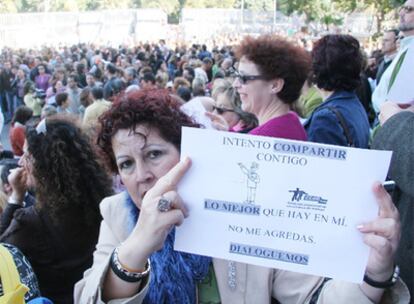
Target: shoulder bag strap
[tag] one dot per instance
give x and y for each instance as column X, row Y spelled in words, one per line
column 344, row 126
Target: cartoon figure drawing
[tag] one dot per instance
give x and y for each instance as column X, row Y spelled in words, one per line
column 297, row 194
column 252, row 181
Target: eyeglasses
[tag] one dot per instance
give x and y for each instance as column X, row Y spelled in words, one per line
column 406, row 9
column 243, row 79
column 220, row 110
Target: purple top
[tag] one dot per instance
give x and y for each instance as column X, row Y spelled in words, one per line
column 286, row 126
column 42, row 81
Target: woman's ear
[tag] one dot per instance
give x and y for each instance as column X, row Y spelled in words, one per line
column 277, row 85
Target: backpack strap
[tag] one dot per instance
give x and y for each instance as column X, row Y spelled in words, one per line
column 13, row 289
column 344, row 126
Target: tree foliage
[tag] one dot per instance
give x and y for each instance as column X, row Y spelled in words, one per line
column 316, row 10
column 327, row 11
column 8, row 6
column 380, row 7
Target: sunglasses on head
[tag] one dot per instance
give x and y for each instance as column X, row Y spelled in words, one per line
column 221, row 111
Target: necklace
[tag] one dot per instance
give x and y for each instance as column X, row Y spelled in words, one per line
column 231, row 275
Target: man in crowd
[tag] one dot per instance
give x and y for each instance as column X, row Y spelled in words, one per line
column 148, row 81
column 406, row 26
column 99, row 105
column 74, row 94
column 110, row 71
column 389, row 50
column 6, row 93
column 396, row 135
column 91, row 81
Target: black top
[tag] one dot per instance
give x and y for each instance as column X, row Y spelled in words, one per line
column 59, row 253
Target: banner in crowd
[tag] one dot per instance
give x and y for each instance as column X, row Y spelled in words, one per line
column 278, row 203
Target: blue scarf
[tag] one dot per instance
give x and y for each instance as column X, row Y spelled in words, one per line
column 173, row 273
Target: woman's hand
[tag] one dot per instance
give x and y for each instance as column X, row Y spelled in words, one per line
column 218, row 121
column 383, row 236
column 154, row 225
column 18, row 182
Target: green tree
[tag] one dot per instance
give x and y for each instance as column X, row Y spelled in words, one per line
column 324, row 11
column 380, row 7
column 114, row 4
column 209, row 3
column 256, row 5
column 8, row 6
column 29, row 5
column 169, row 6
column 316, row 10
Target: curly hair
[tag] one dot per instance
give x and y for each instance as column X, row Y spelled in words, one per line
column 70, row 183
column 337, row 63
column 275, row 57
column 153, row 108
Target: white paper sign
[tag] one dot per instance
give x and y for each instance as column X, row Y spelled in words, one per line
column 276, row 203
column 402, row 90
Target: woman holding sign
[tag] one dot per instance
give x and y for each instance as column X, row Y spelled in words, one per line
column 134, row 260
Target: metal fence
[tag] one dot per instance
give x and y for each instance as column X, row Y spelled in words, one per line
column 115, row 27
column 63, row 28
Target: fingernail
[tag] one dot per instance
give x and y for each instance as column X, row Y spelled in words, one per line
column 360, row 227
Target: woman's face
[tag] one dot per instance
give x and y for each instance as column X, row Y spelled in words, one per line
column 58, row 85
column 255, row 95
column 61, row 76
column 41, row 69
column 224, row 108
column 142, row 160
column 20, row 74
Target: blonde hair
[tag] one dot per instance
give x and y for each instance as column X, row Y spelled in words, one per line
column 225, row 86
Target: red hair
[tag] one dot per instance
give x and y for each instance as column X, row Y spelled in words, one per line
column 276, row 57
column 157, row 109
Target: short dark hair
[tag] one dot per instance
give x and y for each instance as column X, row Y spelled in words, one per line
column 60, row 98
column 148, row 77
column 97, row 93
column 184, row 93
column 111, row 68
column 337, row 63
column 22, row 115
column 80, row 67
column 74, row 77
column 84, row 98
column 207, row 60
column 395, row 31
column 190, row 71
column 155, row 108
column 275, row 58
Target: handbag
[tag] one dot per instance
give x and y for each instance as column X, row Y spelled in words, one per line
column 13, row 289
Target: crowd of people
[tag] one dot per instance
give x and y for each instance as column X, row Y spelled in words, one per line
column 89, row 191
